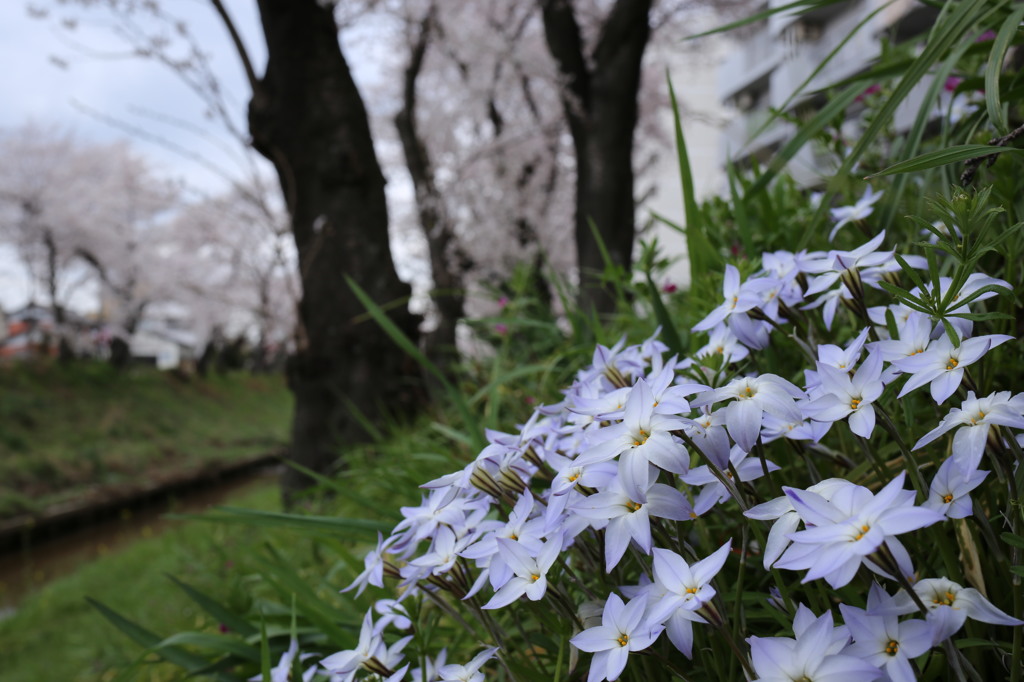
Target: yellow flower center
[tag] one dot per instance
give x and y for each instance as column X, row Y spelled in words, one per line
column 854, row 403
column 633, row 506
column 691, row 590
column 947, row 498
column 892, row 648
column 623, row 639
column 952, row 363
column 534, row 577
column 863, row 530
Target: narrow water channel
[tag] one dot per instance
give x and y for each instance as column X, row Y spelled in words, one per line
column 26, row 570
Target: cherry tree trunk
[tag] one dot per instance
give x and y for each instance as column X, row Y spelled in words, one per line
column 600, row 101
column 448, row 294
column 308, row 119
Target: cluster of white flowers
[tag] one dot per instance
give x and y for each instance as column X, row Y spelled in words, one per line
column 609, row 479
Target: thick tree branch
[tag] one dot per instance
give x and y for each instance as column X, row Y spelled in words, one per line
column 236, row 39
column 620, row 29
column 562, row 33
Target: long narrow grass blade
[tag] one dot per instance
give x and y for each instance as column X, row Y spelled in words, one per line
column 912, row 140
column 943, row 37
column 818, row 69
column 316, row 524
column 807, row 131
column 148, row 639
column 799, row 6
column 698, row 248
column 993, row 99
column 218, row 644
column 669, row 333
column 403, row 342
column 224, row 615
column 345, row 490
column 289, row 584
column 264, row 653
column 942, row 157
column 742, row 219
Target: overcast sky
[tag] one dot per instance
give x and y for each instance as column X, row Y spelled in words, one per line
column 56, row 75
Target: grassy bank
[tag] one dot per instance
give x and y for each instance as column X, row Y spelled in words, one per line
column 227, row 561
column 134, row 581
column 85, row 428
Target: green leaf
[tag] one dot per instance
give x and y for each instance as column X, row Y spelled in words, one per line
column 993, row 100
column 982, row 317
column 805, row 132
column 221, row 644
column 942, row 157
column 698, row 249
column 912, row 140
column 220, row 612
column 742, row 218
column 675, row 226
column 507, row 377
column 264, row 653
column 1012, row 540
column 797, row 6
column 283, row 578
column 950, row 28
column 669, row 334
column 911, row 272
column 777, row 111
column 988, row 288
column 319, row 524
column 951, row 332
column 403, row 342
column 148, row 639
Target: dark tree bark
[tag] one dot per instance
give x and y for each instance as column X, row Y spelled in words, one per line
column 600, row 102
column 445, row 268
column 307, row 117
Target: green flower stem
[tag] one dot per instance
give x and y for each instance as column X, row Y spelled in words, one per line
column 729, row 484
column 575, row 578
column 731, row 641
column 908, row 457
column 871, row 456
column 759, row 446
column 759, row 536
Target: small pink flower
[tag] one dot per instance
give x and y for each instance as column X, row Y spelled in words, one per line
column 952, row 82
column 223, row 628
column 987, row 35
column 503, row 301
column 669, row 288
column 870, row 90
column 530, row 400
column 501, row 328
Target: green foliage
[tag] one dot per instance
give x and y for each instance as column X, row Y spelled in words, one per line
column 68, row 430
column 532, row 353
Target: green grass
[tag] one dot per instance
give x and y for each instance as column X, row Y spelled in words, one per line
column 56, row 635
column 65, row 431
